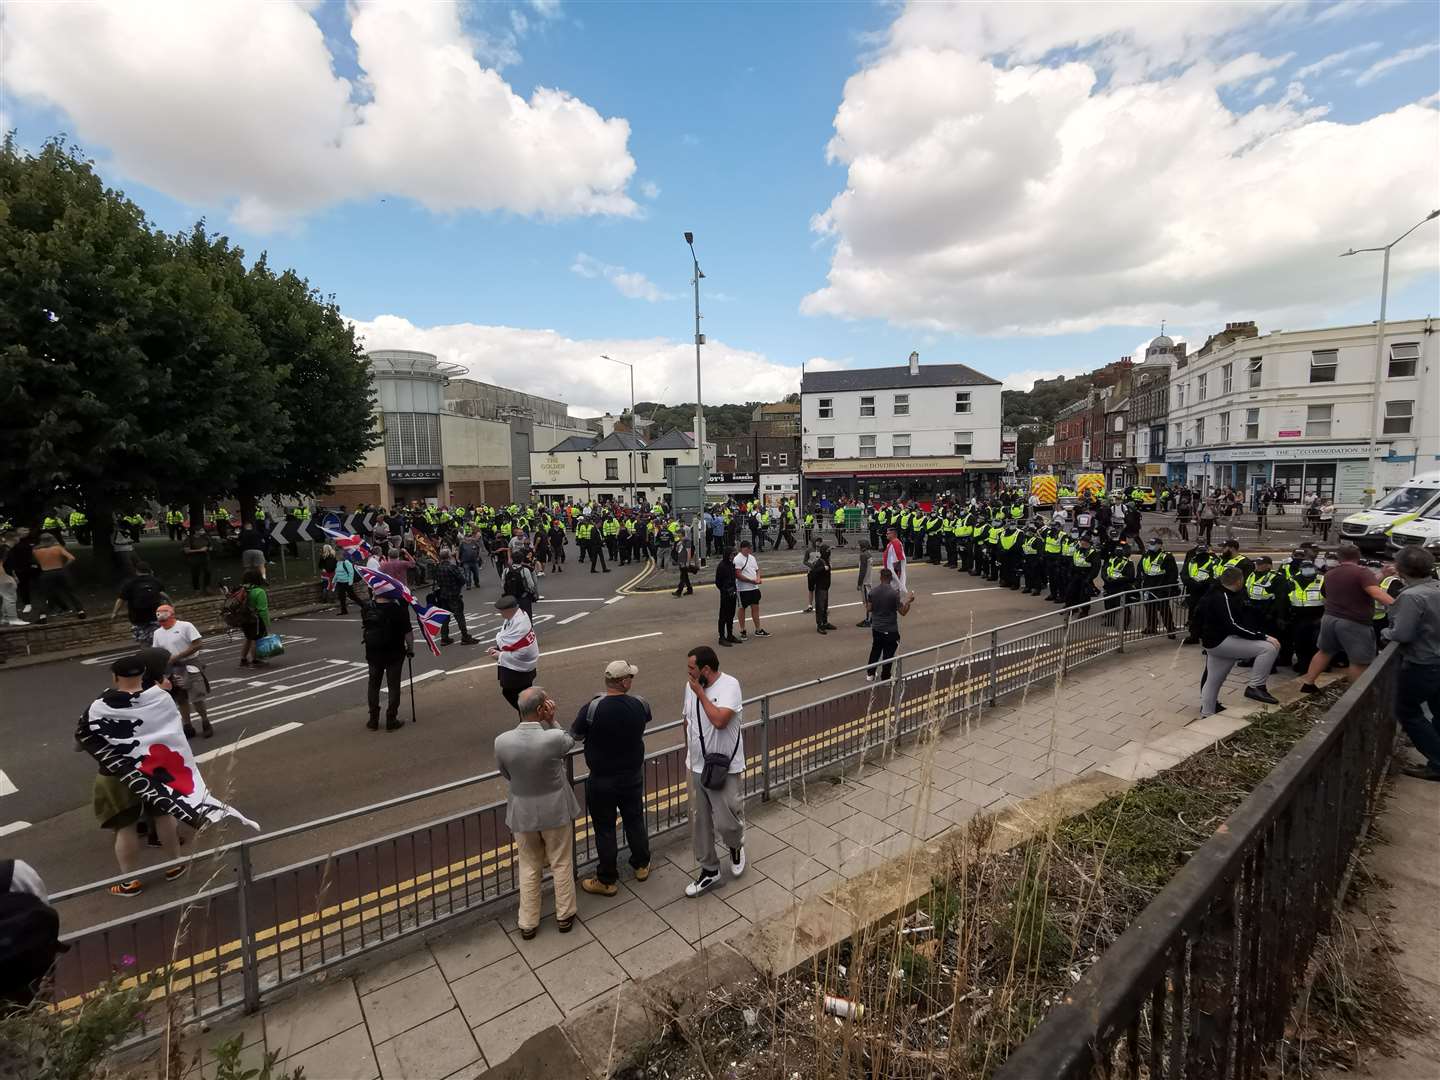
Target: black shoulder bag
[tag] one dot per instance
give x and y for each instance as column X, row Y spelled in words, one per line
column 716, row 768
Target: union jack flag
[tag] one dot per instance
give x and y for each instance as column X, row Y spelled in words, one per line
column 382, row 584
column 432, row 620
column 350, row 545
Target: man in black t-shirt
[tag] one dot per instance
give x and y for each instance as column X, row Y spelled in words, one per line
column 612, row 726
column 386, row 633
column 140, row 595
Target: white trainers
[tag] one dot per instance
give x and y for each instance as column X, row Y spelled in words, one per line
column 737, row 861
column 702, row 883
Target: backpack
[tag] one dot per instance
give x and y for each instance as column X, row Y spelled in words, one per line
column 235, row 609
column 29, row 940
column 148, row 593
column 514, row 584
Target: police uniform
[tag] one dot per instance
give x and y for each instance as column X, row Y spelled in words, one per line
column 1159, row 575
column 1197, row 575
column 1118, row 575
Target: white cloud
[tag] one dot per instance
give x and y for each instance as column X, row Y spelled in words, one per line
column 1052, row 197
column 548, row 363
column 239, row 105
column 1349, row 9
column 546, row 9
column 650, row 189
column 627, row 282
column 1325, row 63
column 1262, row 86
column 1404, row 56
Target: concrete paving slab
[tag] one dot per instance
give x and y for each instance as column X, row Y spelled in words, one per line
column 501, row 1037
column 464, row 951
column 347, row 1054
column 406, row 1004
column 312, row 1016
column 654, row 955
column 438, row 1047
column 576, row 977
column 625, row 926
column 496, row 989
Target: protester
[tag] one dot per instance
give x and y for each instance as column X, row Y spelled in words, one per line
column 1351, row 593
column 397, row 564
column 345, row 585
column 19, row 563
column 541, row 808
column 188, row 684
column 863, row 582
column 894, row 557
column 197, row 559
column 725, row 586
column 140, row 595
column 252, row 549
column 1415, row 628
column 516, row 652
column 52, row 586
column 1227, row 638
column 886, row 607
column 747, row 584
column 450, row 583
column 253, row 582
column 715, row 760
column 122, row 551
column 327, row 563
column 818, row 580
column 29, row 944
column 612, row 727
column 389, row 640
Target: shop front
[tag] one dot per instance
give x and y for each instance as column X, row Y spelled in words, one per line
column 1333, row 471
column 924, row 480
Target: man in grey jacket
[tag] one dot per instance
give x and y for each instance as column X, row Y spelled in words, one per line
column 542, row 808
column 1415, row 627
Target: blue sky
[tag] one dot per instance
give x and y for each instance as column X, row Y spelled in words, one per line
column 982, row 220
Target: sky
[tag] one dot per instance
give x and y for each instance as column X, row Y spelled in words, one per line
column 1029, row 189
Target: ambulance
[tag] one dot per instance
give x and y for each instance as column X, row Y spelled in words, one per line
column 1371, row 530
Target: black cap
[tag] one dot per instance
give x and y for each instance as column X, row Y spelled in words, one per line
column 129, row 667
column 506, row 602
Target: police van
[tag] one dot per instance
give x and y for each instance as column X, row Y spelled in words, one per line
column 1424, row 531
column 1370, row 530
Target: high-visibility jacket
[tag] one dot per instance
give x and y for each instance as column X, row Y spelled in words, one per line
column 1260, row 587
column 259, row 514
column 1017, row 512
column 1117, row 568
column 1307, row 594
column 1031, row 545
column 582, row 532
column 1008, row 539
column 1153, row 565
column 809, row 521
column 611, row 527
column 50, row 523
column 221, row 514
column 993, row 536
column 1202, row 570
column 839, row 518
column 1052, row 544
column 882, row 516
column 78, row 520
column 1069, row 548
column 1381, row 611
column 962, row 528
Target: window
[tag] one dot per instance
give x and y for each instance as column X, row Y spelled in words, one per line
column 764, row 461
column 964, row 443
column 1252, row 423
column 1118, row 424
column 669, row 461
column 1203, row 381
column 902, row 404
column 1180, row 395
column 899, row 445
column 867, row 405
column 1317, row 419
column 1398, row 415
column 1200, row 431
column 1254, row 369
column 1179, row 439
column 827, row 408
column 1226, row 378
column 612, row 468
column 1323, row 364
column 962, row 402
column 825, row 446
column 867, row 445
column 1404, row 358
column 782, row 460
column 644, row 463
column 412, row 438
column 1224, row 427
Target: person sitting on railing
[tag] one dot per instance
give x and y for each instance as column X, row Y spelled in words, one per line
column 1227, row 638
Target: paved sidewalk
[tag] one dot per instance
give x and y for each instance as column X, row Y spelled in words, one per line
column 467, row 999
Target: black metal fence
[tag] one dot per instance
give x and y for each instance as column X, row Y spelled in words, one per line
column 1201, row 985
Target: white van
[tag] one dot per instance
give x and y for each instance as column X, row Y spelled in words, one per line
column 1370, row 529
column 1424, row 530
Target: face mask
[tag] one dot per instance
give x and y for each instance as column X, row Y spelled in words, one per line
column 1152, row 548
column 1307, row 570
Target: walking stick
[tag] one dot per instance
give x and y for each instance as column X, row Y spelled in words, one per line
column 411, row 660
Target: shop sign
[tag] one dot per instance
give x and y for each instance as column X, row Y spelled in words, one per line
column 1323, row 452
column 1293, row 433
column 403, row 475
column 894, row 466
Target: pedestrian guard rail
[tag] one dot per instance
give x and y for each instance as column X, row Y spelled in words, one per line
column 1202, row 983
column 251, row 929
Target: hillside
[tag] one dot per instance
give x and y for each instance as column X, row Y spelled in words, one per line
column 720, row 420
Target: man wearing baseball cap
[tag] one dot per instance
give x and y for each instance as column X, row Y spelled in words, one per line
column 612, row 727
column 516, row 652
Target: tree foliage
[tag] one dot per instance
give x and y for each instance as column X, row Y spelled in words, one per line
column 136, row 365
column 720, row 420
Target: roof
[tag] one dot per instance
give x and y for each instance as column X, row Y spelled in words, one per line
column 893, row 378
column 572, row 443
column 620, row 440
column 671, row 440
column 1162, row 341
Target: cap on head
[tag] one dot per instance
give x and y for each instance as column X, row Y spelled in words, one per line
column 620, row 669
column 506, row 603
column 129, row 667
column 744, row 544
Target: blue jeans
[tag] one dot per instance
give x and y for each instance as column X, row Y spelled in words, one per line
column 1418, row 685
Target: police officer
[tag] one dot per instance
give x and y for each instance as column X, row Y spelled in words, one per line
column 1118, row 577
column 1197, row 575
column 1080, row 581
column 1010, row 555
column 1304, row 608
column 1033, row 551
column 1160, row 577
column 1262, row 585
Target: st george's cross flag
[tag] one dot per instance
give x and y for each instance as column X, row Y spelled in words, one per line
column 140, row 740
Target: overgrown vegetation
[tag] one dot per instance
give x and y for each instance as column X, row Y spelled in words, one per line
column 951, row 989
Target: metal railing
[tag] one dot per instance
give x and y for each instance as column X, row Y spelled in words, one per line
column 1202, row 982
column 250, row 931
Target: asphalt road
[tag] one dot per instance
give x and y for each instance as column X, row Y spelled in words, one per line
column 296, row 736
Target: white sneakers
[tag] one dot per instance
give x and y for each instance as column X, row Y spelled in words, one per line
column 707, row 879
column 737, row 861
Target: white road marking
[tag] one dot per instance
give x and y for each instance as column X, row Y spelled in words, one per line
column 572, row 618
column 571, row 648
column 575, row 600
column 270, row 703
column 13, row 827
column 7, row 786
column 418, row 679
column 215, row 643
column 614, row 599
column 315, row 682
column 959, row 592
column 250, row 740
column 802, row 611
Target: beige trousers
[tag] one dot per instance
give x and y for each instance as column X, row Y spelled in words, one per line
column 534, row 851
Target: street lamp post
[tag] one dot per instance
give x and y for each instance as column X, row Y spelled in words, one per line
column 632, row 421
column 1377, row 406
column 699, row 340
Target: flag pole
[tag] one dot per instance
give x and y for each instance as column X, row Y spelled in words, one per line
column 411, row 660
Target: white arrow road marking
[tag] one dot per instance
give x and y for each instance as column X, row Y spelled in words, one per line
column 614, row 599
column 572, row 618
column 7, row 786
column 13, row 827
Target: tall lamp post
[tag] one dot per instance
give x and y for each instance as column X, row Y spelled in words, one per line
column 699, row 340
column 1376, row 413
column 632, row 421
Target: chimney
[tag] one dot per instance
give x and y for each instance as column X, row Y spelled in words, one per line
column 914, row 363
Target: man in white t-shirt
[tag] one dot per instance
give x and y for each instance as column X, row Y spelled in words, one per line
column 188, row 685
column 747, row 585
column 895, row 559
column 713, row 714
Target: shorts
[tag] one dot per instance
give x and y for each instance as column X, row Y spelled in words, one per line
column 1355, row 640
column 749, row 597
column 116, row 806
column 865, row 591
column 186, row 685
column 254, row 631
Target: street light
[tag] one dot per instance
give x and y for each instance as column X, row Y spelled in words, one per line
column 699, row 340
column 632, row 420
column 1375, row 413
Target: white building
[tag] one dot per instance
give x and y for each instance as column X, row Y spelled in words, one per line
column 1299, row 407
column 913, row 431
column 589, row 468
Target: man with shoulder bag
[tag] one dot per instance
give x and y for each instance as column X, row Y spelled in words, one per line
column 715, row 760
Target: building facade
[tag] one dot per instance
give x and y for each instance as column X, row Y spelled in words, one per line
column 619, row 468
column 1299, row 409
column 911, row 431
